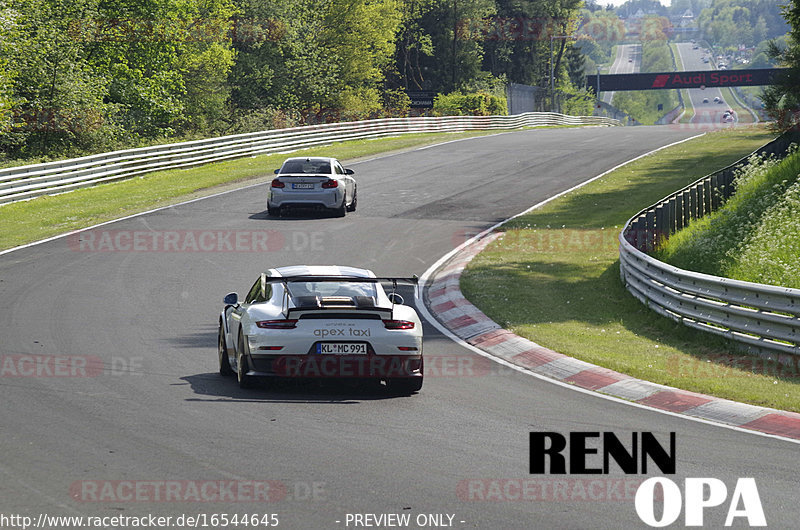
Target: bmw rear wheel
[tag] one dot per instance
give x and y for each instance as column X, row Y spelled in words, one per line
column 354, row 203
column 341, row 210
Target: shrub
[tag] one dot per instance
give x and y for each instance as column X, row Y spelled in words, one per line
column 475, row 104
column 755, row 236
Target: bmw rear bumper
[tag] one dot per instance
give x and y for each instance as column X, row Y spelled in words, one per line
column 279, row 198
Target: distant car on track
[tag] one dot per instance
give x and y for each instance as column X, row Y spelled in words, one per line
column 313, row 182
column 717, row 100
column 705, row 100
column 322, row 321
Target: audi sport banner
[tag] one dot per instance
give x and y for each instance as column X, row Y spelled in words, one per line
column 693, row 79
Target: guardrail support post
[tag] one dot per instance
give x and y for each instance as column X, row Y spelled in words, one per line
column 671, row 216
column 726, row 176
column 716, row 193
column 661, row 232
column 649, row 232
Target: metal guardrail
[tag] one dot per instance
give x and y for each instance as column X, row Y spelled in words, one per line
column 762, row 319
column 26, row 182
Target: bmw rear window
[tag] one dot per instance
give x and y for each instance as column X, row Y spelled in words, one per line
column 306, row 166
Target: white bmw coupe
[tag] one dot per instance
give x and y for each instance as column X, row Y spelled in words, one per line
column 313, row 182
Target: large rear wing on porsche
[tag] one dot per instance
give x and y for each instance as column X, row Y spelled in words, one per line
column 347, row 303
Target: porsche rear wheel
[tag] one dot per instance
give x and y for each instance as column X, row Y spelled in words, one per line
column 245, row 381
column 222, row 349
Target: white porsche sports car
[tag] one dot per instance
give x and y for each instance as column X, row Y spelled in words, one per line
column 322, row 321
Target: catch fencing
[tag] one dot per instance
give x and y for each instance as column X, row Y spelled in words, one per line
column 26, row 182
column 762, row 319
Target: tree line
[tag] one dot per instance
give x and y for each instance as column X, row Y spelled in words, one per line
column 79, row 76
column 90, row 75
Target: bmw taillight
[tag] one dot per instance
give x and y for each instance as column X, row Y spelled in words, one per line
column 278, row 184
column 289, row 323
column 398, row 324
column 330, row 183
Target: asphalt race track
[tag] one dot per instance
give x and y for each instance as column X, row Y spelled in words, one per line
column 709, row 113
column 627, row 61
column 149, row 410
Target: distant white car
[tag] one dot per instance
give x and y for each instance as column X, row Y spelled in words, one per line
column 322, row 321
column 312, row 182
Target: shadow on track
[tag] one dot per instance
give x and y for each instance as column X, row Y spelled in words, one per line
column 339, row 391
column 296, row 214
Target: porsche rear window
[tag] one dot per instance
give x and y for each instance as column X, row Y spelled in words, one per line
column 350, row 289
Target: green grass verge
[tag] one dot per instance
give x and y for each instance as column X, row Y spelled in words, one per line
column 755, row 236
column 43, row 217
column 554, row 278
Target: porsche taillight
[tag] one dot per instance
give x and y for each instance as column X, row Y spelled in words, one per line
column 287, row 323
column 398, row 324
column 278, row 184
column 330, row 183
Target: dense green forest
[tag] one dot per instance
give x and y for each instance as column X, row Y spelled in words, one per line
column 87, row 75
column 80, row 76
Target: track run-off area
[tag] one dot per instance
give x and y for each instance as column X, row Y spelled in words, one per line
column 143, row 423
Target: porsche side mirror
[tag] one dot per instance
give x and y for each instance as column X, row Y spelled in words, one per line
column 231, row 299
column 277, row 171
column 349, row 171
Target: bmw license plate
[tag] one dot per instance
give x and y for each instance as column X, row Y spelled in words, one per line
column 302, row 186
column 342, row 348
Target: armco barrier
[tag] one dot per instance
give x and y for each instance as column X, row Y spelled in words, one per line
column 762, row 319
column 25, row 182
